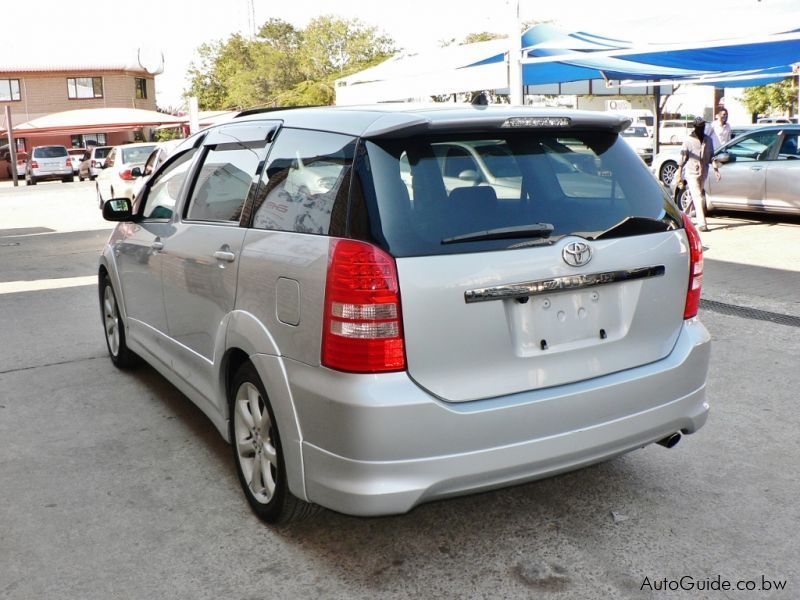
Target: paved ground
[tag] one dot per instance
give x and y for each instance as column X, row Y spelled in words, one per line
column 112, row 485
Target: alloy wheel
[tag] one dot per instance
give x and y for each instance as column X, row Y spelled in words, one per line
column 255, row 442
column 111, row 320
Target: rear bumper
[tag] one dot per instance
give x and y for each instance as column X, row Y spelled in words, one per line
column 51, row 175
column 375, row 445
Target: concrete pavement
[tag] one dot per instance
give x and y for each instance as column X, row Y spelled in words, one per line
column 114, row 485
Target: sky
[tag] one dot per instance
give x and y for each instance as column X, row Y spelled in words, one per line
column 178, row 27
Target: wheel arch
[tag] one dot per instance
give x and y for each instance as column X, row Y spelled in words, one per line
column 248, row 340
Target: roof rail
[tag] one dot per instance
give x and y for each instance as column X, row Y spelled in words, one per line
column 269, row 109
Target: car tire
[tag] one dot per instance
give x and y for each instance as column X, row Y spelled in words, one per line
column 258, row 453
column 113, row 327
column 685, row 202
column 666, row 172
column 31, row 181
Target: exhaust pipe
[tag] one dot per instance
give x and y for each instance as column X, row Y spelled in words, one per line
column 670, row 441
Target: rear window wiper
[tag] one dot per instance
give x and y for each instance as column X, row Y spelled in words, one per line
column 635, row 226
column 503, row 233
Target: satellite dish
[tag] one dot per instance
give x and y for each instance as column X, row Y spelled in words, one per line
column 151, row 60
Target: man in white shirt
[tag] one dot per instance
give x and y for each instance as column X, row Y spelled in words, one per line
column 720, row 132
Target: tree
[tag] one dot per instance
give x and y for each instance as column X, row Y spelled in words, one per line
column 284, row 66
column 778, row 97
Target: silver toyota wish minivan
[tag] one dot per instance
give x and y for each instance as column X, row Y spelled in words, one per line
column 382, row 306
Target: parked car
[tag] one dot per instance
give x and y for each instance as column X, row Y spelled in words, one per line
column 641, row 142
column 93, row 161
column 75, row 157
column 22, row 158
column 116, row 177
column 777, row 120
column 154, row 160
column 759, row 172
column 370, row 342
column 674, row 131
column 666, row 161
column 47, row 163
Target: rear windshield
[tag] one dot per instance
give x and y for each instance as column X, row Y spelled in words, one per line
column 438, row 194
column 50, row 152
column 136, row 155
column 101, row 152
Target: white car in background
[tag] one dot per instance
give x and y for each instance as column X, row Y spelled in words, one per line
column 116, row 178
column 160, row 153
column 637, row 138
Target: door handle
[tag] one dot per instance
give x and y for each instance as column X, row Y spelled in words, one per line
column 157, row 245
column 225, row 255
column 756, row 168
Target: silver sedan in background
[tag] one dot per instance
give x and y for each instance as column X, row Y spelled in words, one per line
column 760, row 171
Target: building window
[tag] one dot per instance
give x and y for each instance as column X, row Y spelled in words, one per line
column 84, row 87
column 9, row 90
column 88, row 139
column 141, row 88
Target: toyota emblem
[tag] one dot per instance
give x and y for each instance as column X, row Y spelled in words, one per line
column 576, row 254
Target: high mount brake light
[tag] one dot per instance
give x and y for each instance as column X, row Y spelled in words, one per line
column 362, row 325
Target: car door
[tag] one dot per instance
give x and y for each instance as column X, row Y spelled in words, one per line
column 744, row 177
column 139, row 260
column 783, row 175
column 201, row 254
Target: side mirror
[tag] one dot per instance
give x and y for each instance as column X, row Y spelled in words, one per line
column 118, row 209
column 724, row 157
column 136, row 172
column 469, row 175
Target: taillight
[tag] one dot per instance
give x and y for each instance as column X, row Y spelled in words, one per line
column 695, row 269
column 93, row 163
column 362, row 325
column 34, row 164
column 126, row 175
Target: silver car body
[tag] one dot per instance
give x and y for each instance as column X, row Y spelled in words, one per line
column 759, row 172
column 482, row 402
column 51, row 162
column 666, row 161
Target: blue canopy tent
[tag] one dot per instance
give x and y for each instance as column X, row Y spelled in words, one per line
column 551, row 55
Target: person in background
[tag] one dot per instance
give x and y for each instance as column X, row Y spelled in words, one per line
column 720, row 131
column 696, row 154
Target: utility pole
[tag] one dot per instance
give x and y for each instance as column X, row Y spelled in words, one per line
column 12, row 146
column 515, row 57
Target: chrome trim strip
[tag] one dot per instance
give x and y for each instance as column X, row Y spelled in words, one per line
column 559, row 284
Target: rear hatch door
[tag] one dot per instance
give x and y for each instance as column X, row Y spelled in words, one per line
column 579, row 271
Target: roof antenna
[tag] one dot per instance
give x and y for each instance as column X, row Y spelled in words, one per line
column 480, row 99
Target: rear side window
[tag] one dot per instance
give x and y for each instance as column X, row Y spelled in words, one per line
column 101, row 152
column 136, row 155
column 50, row 152
column 306, row 183
column 427, row 195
